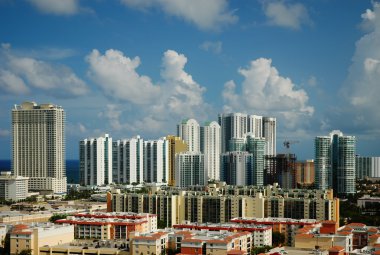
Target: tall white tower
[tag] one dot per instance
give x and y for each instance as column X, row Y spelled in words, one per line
column 156, row 161
column 210, row 147
column 38, row 145
column 95, row 161
column 189, row 131
column 233, row 125
column 269, row 133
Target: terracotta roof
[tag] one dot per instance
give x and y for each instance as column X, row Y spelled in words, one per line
column 304, row 236
column 356, row 224
column 236, row 252
column 337, row 248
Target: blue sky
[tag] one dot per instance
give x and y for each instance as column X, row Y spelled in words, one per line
column 128, row 67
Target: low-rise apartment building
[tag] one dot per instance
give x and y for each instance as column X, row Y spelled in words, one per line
column 24, row 237
column 110, row 225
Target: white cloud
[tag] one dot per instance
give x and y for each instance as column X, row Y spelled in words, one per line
column 154, row 106
column 361, row 89
column 312, row 82
column 19, row 75
column 116, row 74
column 57, row 7
column 10, row 83
column 265, row 91
column 214, row 47
column 207, row 15
column 280, row 13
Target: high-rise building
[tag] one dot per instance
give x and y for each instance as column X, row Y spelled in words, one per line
column 38, row 145
column 305, row 173
column 189, row 131
column 190, row 169
column 335, row 162
column 176, row 145
column 367, row 167
column 95, row 161
column 322, row 165
column 256, row 146
column 156, row 161
column 269, row 133
column 13, row 188
column 237, row 168
column 281, row 169
column 128, row 160
column 210, row 147
column 235, row 126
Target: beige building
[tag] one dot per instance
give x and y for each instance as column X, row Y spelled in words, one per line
column 218, row 203
column 38, row 145
column 176, row 145
column 152, row 243
column 24, row 237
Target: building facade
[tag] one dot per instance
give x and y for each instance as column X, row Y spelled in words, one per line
column 156, row 161
column 189, row 131
column 305, row 173
column 176, row 145
column 38, row 145
column 13, row 188
column 367, row 167
column 237, row 168
column 190, row 169
column 210, row 147
column 95, row 161
column 128, row 160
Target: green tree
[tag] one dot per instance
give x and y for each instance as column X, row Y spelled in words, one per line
column 58, row 217
column 278, row 238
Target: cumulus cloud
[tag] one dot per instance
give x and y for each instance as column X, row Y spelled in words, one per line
column 264, row 91
column 214, row 47
column 156, row 105
column 207, row 15
column 288, row 15
column 57, row 7
column 361, row 88
column 11, row 83
column 19, row 75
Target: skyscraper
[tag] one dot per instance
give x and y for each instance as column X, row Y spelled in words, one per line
column 237, row 168
column 189, row 131
column 190, row 169
column 176, row 145
column 335, row 163
column 210, row 147
column 38, row 145
column 256, row 146
column 156, row 161
column 95, row 161
column 269, row 133
column 235, row 126
column 322, row 165
column 367, row 167
column 128, row 160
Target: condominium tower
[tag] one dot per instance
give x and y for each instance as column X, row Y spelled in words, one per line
column 38, row 145
column 335, row 162
column 156, row 161
column 210, row 147
column 95, row 161
column 189, row 131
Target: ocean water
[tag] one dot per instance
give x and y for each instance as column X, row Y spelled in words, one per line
column 72, row 169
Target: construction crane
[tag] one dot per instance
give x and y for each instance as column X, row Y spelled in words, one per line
column 287, row 143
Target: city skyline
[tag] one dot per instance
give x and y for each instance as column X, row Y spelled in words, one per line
column 132, row 68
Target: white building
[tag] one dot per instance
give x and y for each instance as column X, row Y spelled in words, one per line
column 210, row 147
column 189, row 131
column 367, row 167
column 238, row 125
column 237, row 168
column 190, row 169
column 13, row 188
column 38, row 145
column 156, row 161
column 128, row 160
column 269, row 133
column 95, row 157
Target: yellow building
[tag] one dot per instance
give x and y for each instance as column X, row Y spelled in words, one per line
column 153, row 243
column 24, row 237
column 176, row 145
